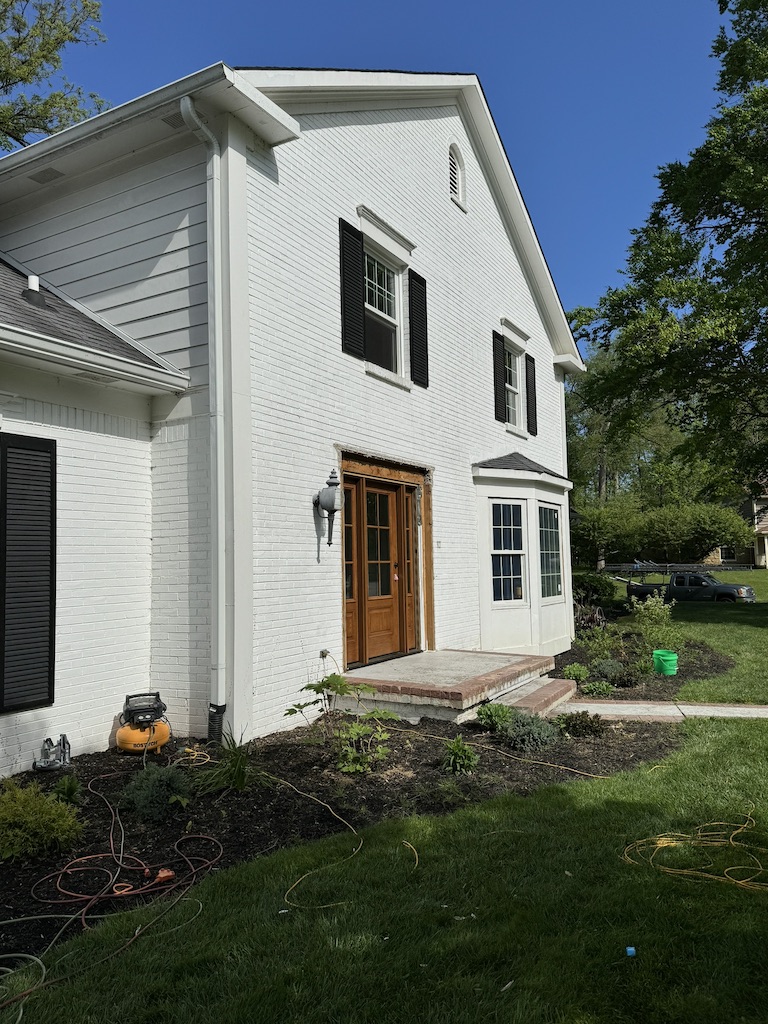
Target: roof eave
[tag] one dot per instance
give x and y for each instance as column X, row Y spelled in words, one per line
column 55, row 355
column 520, row 476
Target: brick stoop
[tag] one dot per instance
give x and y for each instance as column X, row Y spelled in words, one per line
column 456, row 701
column 542, row 696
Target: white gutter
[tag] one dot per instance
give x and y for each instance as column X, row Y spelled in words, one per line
column 216, row 406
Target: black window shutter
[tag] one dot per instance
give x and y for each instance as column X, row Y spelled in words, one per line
column 352, row 290
column 530, row 394
column 27, row 571
column 499, row 379
column 417, row 321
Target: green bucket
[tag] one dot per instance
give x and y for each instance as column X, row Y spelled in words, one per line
column 665, row 663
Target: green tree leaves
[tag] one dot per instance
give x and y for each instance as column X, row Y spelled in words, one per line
column 33, row 34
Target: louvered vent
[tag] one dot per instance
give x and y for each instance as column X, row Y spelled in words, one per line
column 453, row 170
column 174, row 120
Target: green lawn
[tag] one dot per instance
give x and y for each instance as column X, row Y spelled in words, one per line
column 740, row 631
column 518, row 911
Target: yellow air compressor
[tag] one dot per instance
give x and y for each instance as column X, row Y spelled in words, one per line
column 143, row 727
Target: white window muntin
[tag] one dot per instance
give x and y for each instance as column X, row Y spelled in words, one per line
column 550, row 551
column 380, row 287
column 507, row 551
column 384, row 306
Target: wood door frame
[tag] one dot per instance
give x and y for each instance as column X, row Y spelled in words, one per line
column 398, row 473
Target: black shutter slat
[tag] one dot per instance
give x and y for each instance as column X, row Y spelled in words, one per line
column 352, row 290
column 417, row 323
column 499, row 379
column 530, row 394
column 27, row 571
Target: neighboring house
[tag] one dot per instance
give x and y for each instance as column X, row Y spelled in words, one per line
column 251, row 278
column 755, row 511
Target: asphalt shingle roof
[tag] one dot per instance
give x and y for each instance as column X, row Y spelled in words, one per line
column 59, row 320
column 516, row 461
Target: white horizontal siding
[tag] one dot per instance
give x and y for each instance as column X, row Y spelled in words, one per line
column 132, row 248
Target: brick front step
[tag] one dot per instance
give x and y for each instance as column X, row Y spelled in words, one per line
column 544, row 697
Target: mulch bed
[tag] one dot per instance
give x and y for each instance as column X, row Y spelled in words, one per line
column 266, row 818
column 696, row 661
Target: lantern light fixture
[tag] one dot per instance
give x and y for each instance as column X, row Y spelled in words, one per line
column 329, row 500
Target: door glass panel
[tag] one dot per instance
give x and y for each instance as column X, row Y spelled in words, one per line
column 383, row 510
column 349, row 545
column 373, row 580
column 385, row 584
column 384, row 545
column 373, row 544
column 370, row 510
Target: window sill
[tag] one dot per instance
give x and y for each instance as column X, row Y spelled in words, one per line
column 372, row 370
column 556, row 599
column 517, row 431
column 458, row 202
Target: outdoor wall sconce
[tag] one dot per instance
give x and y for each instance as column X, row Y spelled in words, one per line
column 330, row 500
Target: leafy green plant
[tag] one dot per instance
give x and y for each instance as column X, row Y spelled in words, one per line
column 593, row 588
column 653, row 619
column 577, row 672
column 69, row 790
column 154, row 790
column 33, row 824
column 494, row 716
column 528, row 733
column 597, row 689
column 231, row 769
column 580, row 723
column 328, row 691
column 460, row 758
column 361, row 742
column 599, row 642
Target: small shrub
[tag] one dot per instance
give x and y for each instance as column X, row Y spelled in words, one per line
column 593, row 588
column 578, row 673
column 528, row 733
column 607, row 669
column 327, row 692
column 494, row 717
column 653, row 619
column 460, row 758
column 598, row 689
column 580, row 723
column 154, row 790
column 599, row 642
column 33, row 824
column 68, row 790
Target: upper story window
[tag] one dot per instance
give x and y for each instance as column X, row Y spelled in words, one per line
column 456, row 180
column 514, row 381
column 383, row 302
column 381, row 313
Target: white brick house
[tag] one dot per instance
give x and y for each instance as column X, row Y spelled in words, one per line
column 312, row 270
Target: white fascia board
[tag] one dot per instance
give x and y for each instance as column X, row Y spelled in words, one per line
column 53, row 352
column 218, row 86
column 497, row 166
column 569, row 364
column 487, row 474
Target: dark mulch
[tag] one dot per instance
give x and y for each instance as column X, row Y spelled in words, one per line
column 266, row 818
column 696, row 661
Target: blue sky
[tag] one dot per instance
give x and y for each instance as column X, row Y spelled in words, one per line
column 589, row 97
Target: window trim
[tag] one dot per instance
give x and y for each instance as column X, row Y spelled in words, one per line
column 524, row 599
column 388, row 263
column 544, row 506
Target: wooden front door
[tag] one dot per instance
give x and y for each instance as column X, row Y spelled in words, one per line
column 380, row 569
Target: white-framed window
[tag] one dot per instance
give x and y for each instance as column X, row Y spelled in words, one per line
column 549, row 551
column 382, row 312
column 456, row 179
column 513, row 391
column 507, row 551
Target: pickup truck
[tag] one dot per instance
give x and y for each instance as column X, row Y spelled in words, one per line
column 693, row 586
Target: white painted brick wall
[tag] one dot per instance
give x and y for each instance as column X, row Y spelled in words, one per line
column 308, row 396
column 103, row 575
column 181, row 589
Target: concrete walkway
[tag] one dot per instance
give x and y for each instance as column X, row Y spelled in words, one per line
column 663, row 711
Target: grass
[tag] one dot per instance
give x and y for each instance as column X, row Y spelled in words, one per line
column 518, row 910
column 738, row 630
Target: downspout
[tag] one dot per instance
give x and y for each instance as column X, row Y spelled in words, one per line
column 218, row 690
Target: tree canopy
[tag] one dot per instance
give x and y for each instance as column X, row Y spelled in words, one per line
column 33, row 34
column 688, row 332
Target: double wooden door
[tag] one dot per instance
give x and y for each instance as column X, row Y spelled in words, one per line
column 380, row 569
